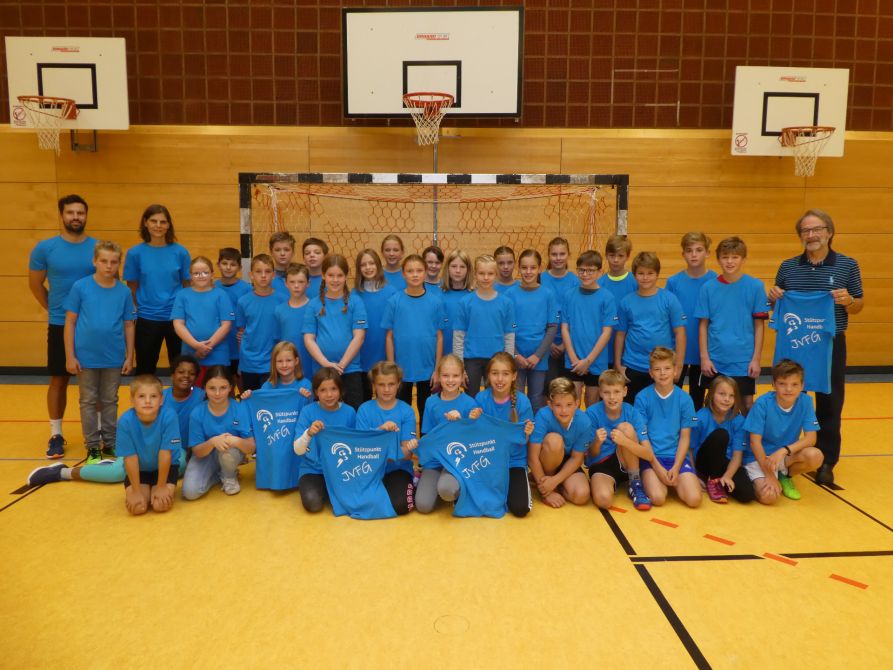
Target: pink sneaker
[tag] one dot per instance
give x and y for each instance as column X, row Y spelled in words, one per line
column 717, row 491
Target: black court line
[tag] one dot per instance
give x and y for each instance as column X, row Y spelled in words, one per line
column 706, row 557
column 621, row 538
column 853, row 505
column 840, row 554
column 20, row 498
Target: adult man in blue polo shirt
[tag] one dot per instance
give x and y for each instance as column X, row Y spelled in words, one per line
column 60, row 261
column 820, row 268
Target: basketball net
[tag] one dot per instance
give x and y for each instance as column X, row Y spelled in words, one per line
column 807, row 144
column 46, row 115
column 427, row 110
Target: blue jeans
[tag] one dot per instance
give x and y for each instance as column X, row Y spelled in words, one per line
column 203, row 473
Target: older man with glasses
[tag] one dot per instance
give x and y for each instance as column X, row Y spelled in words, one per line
column 820, row 268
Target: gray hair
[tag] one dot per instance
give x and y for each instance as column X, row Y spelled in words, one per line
column 819, row 214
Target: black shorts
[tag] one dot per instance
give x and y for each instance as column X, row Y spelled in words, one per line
column 150, row 477
column 746, row 385
column 56, row 351
column 610, row 466
column 588, row 379
column 566, row 458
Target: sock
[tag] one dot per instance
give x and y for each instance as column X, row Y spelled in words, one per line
column 65, row 473
column 55, row 427
column 633, row 474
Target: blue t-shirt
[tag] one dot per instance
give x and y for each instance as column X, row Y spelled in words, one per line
column 203, row 424
column 354, row 464
column 560, row 286
column 203, row 312
column 64, row 263
column 687, row 289
column 373, row 349
column 395, row 279
column 535, row 310
column 371, row 415
column 599, row 418
column 334, row 329
column 183, row 408
column 739, row 439
column 280, row 287
column 451, row 301
column 160, row 272
column 344, row 416
column 778, row 427
column 619, row 287
column 577, row 436
column 503, row 288
column 805, row 328
column 294, row 385
column 485, row 322
column 145, row 441
column 665, row 418
column 648, row 322
column 587, row 314
column 234, row 292
column 476, row 453
column 313, row 286
column 503, row 411
column 414, row 321
column 731, row 310
column 257, row 315
column 290, row 328
column 99, row 332
column 435, row 409
column 274, row 415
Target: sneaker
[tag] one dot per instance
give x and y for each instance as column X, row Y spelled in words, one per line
column 108, row 452
column 716, row 491
column 637, row 494
column 94, row 455
column 825, row 474
column 788, row 488
column 46, row 474
column 56, row 447
column 230, row 486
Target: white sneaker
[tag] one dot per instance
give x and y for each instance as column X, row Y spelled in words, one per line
column 230, row 486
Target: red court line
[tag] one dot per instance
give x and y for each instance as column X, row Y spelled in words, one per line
column 668, row 524
column 780, row 559
column 617, row 509
column 721, row 540
column 851, row 582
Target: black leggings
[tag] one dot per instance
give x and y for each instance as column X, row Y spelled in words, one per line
column 147, row 343
column 711, row 462
column 519, row 500
column 313, row 492
column 398, row 484
column 353, row 389
column 422, row 393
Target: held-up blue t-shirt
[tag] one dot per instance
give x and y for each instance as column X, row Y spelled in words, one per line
column 619, row 287
column 373, row 349
column 294, row 385
column 586, row 314
column 739, row 439
column 503, row 411
column 535, row 310
column 274, row 415
column 648, row 322
column 414, row 321
column 64, row 263
column 203, row 312
column 183, row 408
column 451, row 301
column 344, row 416
column 485, row 322
column 257, row 315
column 334, row 329
column 354, row 464
column 160, row 272
column 687, row 289
column 435, row 409
column 779, row 427
column 598, row 415
column 805, row 329
column 371, row 415
column 577, row 436
column 476, row 453
column 665, row 418
column 290, row 328
column 145, row 441
column 234, row 292
column 99, row 331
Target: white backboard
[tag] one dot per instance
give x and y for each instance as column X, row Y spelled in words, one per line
column 90, row 70
column 768, row 99
column 472, row 53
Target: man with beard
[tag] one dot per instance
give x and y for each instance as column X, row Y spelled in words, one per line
column 60, row 261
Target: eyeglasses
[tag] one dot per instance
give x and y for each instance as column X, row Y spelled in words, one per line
column 203, row 273
column 586, row 271
column 806, row 232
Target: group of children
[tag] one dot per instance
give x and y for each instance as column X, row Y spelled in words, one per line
column 440, row 325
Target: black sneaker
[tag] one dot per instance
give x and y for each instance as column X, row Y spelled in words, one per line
column 108, row 452
column 825, row 475
column 56, row 447
column 46, row 474
column 94, row 455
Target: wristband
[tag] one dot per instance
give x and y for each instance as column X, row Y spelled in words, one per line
column 788, row 449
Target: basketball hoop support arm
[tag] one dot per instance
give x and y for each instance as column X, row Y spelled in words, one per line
column 76, row 145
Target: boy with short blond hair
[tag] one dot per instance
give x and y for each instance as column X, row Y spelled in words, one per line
column 229, row 263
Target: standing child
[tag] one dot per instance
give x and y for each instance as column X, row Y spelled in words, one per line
column 505, row 266
column 561, row 435
column 219, row 436
column 732, row 310
column 536, row 309
column 282, row 250
column 149, row 443
column 433, row 257
column 686, row 286
column 413, row 320
column 669, row 416
column 651, row 317
column 719, row 442
column 782, row 427
column 335, row 326
column 372, row 289
column 328, row 410
column 314, row 251
column 203, row 316
column 99, row 336
column 484, row 325
column 617, row 280
column 456, row 285
column 448, row 405
column 290, row 315
column 386, row 412
column 392, row 252
column 588, row 318
column 256, row 323
column 561, row 282
column 502, row 400
column 229, row 262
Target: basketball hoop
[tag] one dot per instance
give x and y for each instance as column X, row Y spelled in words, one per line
column 807, row 143
column 427, row 110
column 46, row 114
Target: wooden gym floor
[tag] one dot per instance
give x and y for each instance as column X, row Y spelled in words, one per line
column 254, row 581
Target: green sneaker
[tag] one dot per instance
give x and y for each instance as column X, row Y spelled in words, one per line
column 788, row 488
column 108, row 452
column 94, row 455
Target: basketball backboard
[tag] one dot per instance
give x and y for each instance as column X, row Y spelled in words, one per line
column 768, row 99
column 472, row 53
column 90, row 70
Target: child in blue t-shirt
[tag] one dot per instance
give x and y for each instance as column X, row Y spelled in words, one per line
column 782, row 426
column 282, row 250
column 686, row 286
column 229, row 263
column 732, row 310
column 392, row 252
column 256, row 324
column 560, row 281
column 561, row 435
column 484, row 325
column 182, row 396
column 387, row 412
column 651, row 317
column 99, row 344
column 219, row 436
column 286, row 370
column 618, row 281
column 505, row 268
column 375, row 293
column 290, row 315
column 314, row 250
column 588, row 317
column 669, row 416
column 456, row 285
